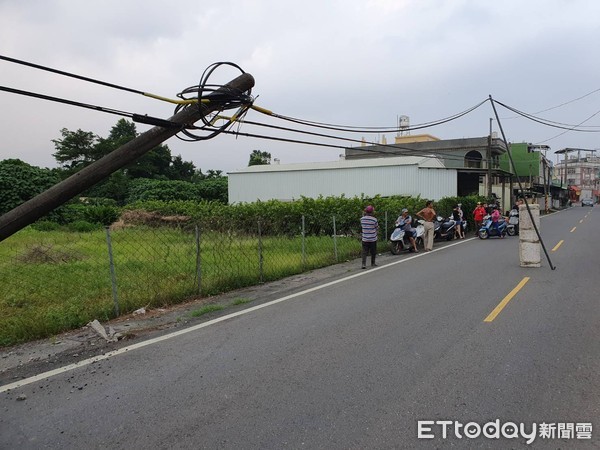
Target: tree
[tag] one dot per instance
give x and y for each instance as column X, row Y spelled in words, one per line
column 181, row 170
column 76, row 149
column 258, row 158
column 213, row 174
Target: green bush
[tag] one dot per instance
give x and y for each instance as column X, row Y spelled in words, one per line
column 20, row 182
column 285, row 218
column 45, row 225
column 82, row 226
column 103, row 215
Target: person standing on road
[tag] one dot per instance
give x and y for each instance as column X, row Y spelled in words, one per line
column 462, row 218
column 428, row 215
column 457, row 217
column 478, row 214
column 369, row 226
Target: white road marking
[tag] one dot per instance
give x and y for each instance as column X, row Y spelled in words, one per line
column 87, row 362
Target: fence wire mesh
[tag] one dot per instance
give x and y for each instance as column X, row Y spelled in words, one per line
column 55, row 280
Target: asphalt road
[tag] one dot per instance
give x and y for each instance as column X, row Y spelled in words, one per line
column 356, row 363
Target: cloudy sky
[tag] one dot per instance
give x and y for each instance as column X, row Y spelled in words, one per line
column 360, row 63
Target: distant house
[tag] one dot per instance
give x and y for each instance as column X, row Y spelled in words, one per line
column 399, row 175
column 468, row 156
column 535, row 172
column 579, row 170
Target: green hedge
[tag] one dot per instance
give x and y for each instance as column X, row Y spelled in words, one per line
column 284, row 217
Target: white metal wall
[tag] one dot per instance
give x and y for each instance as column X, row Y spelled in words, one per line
column 370, row 181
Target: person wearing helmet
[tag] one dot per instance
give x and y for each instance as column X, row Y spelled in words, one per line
column 369, row 228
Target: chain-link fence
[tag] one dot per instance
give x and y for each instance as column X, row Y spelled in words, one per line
column 53, row 281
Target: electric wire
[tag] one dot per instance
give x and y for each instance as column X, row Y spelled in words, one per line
column 204, row 92
column 352, row 129
column 221, row 98
column 93, row 80
column 558, row 106
column 568, row 102
column 66, row 101
column 566, row 131
column 393, row 149
column 551, row 123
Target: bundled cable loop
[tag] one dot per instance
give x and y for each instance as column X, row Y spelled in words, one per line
column 220, row 98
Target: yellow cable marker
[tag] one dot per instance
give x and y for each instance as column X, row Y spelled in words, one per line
column 573, row 229
column 505, row 300
column 177, row 102
column 558, row 245
column 261, row 110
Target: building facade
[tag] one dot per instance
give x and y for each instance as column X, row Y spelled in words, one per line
column 404, row 175
column 475, row 160
column 579, row 170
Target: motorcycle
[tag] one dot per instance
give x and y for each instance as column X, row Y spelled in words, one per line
column 487, row 230
column 512, row 228
column 444, row 228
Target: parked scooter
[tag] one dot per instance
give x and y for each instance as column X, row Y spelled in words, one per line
column 444, row 228
column 512, row 228
column 420, row 233
column 487, row 230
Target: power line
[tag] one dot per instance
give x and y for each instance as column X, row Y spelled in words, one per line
column 396, row 150
column 91, row 80
column 352, row 129
column 227, row 99
column 220, row 97
column 550, row 123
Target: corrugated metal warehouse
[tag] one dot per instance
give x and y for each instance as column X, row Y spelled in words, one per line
column 404, row 175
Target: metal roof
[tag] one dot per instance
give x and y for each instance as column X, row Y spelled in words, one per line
column 421, row 161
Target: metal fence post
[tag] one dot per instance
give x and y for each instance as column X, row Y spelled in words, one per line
column 260, row 254
column 303, row 243
column 386, row 227
column 198, row 261
column 386, row 224
column 113, row 276
column 335, row 252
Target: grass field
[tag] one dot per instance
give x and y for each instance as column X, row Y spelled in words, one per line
column 54, row 281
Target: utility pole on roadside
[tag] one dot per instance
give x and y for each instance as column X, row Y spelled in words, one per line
column 60, row 193
column 489, row 163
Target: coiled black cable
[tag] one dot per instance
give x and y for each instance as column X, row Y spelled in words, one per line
column 221, row 98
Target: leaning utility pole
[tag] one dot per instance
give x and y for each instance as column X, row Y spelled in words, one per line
column 40, row 205
column 489, row 163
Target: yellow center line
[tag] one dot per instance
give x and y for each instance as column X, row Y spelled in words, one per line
column 505, row 300
column 573, row 229
column 581, row 221
column 558, row 245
